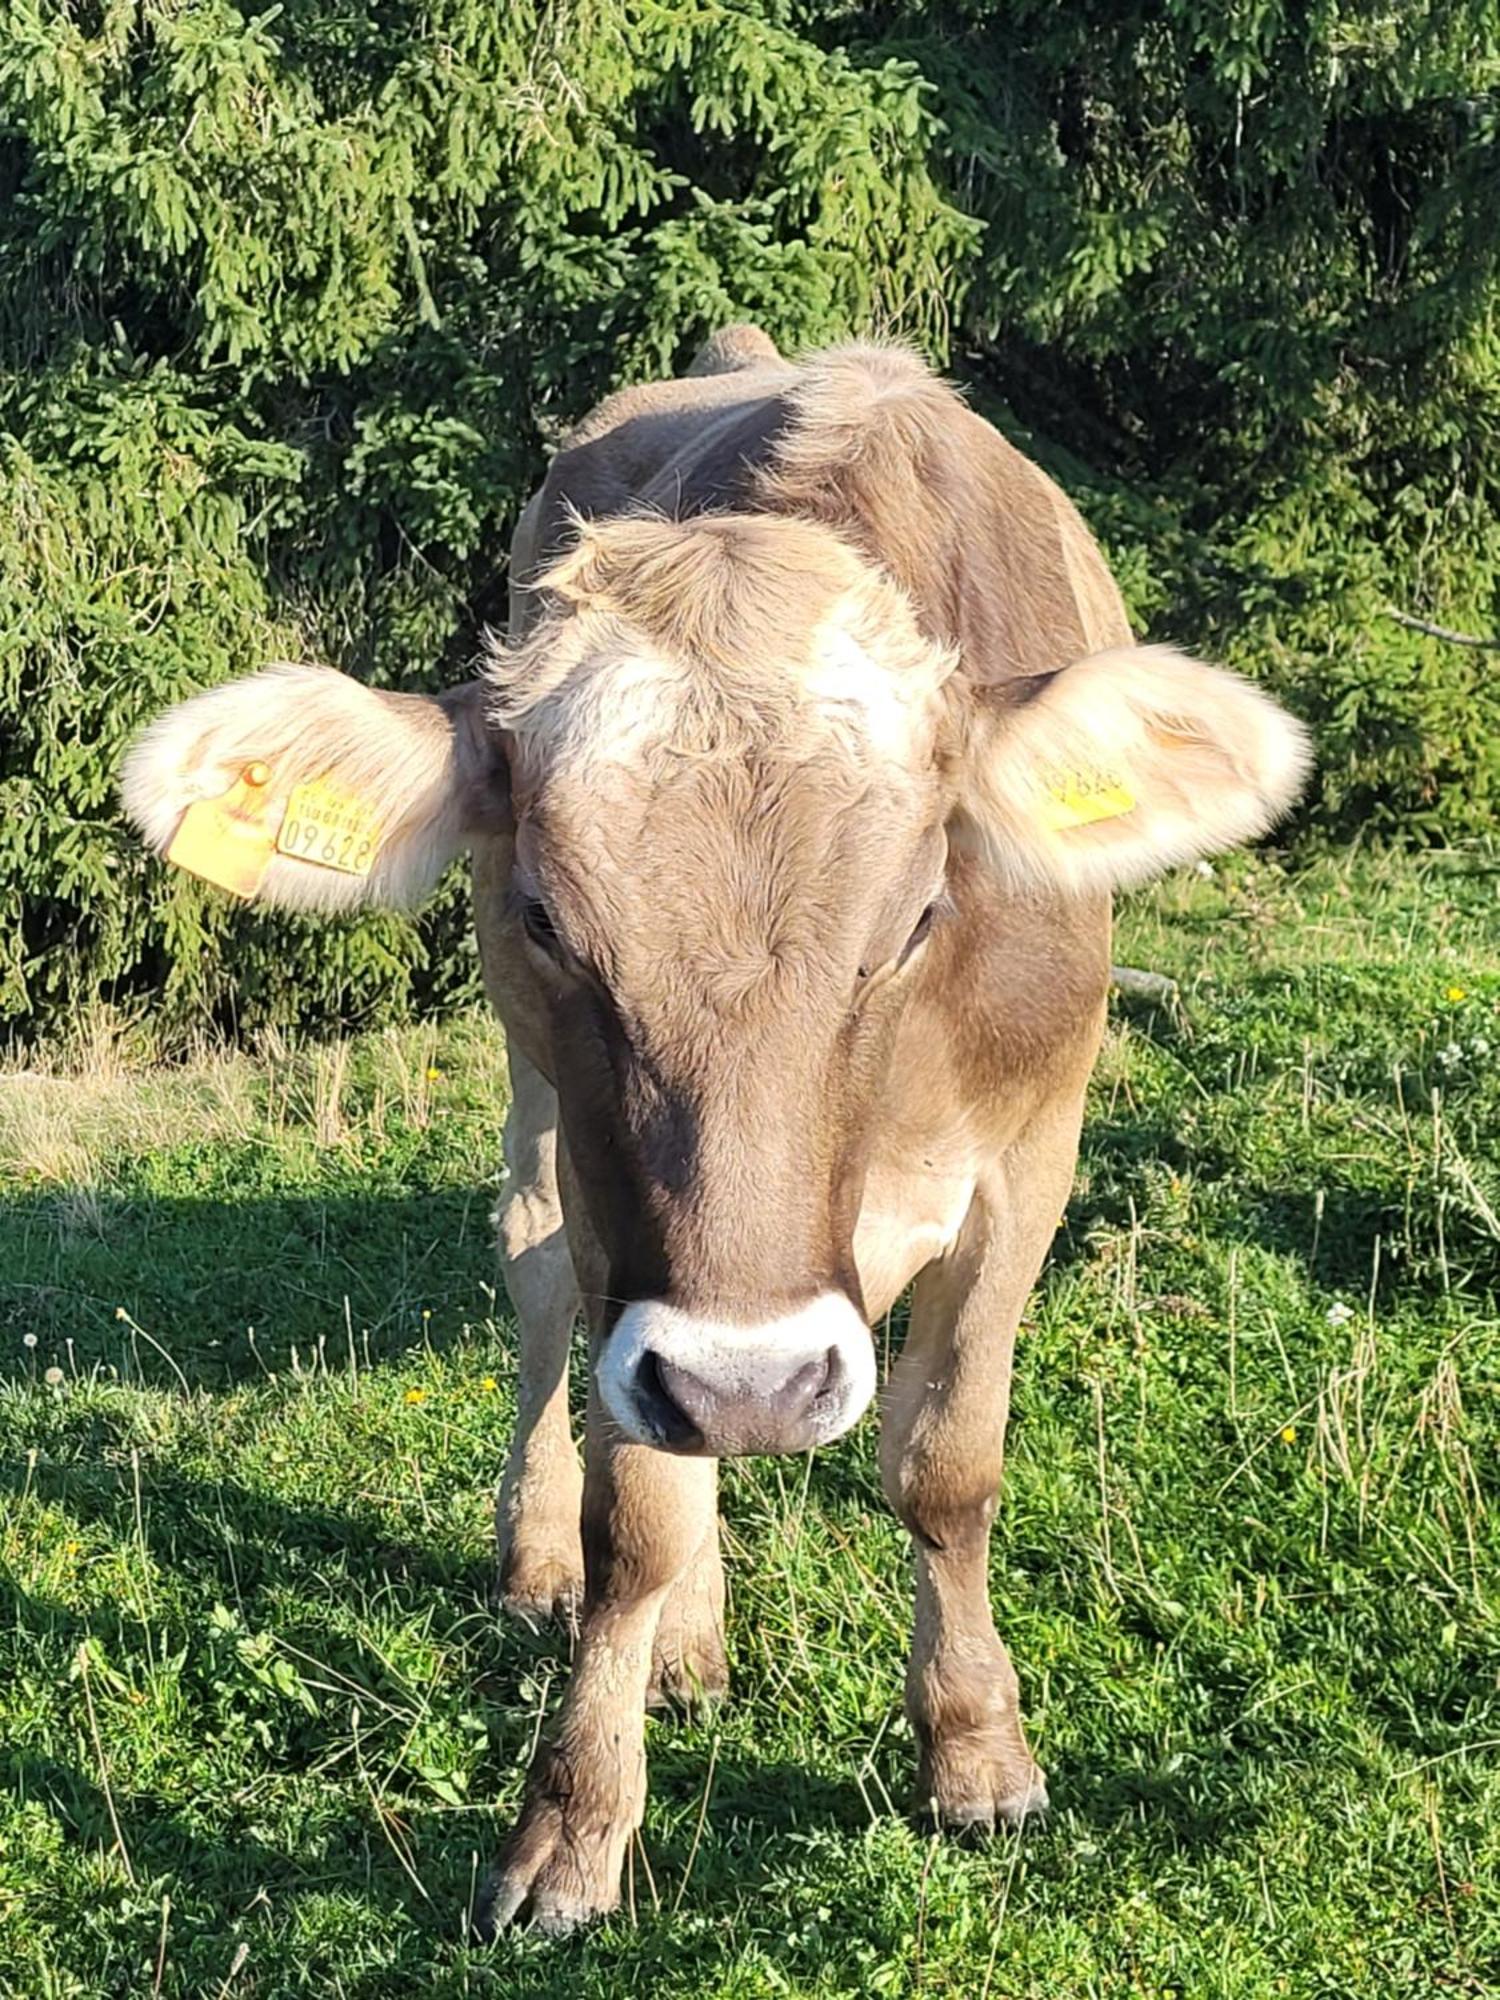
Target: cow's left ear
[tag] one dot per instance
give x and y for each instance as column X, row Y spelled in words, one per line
column 1121, row 765
column 300, row 788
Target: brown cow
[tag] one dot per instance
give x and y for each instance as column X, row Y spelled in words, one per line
column 796, row 797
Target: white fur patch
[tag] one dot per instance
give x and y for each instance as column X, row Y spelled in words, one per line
column 851, row 686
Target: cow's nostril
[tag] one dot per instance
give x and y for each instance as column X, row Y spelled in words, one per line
column 673, row 1422
column 800, row 1391
column 696, row 1403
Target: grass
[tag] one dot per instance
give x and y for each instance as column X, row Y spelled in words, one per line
column 260, row 1726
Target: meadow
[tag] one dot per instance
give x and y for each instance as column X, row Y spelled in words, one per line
column 261, row 1726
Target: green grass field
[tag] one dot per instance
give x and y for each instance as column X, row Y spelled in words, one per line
column 260, row 1725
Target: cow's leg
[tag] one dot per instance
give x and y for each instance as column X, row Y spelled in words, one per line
column 690, row 1666
column 942, row 1448
column 538, row 1505
column 647, row 1515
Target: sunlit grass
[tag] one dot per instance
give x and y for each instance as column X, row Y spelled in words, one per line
column 260, row 1727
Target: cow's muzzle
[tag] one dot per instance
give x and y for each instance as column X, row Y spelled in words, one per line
column 684, row 1383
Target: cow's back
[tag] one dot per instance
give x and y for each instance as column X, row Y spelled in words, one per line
column 867, row 441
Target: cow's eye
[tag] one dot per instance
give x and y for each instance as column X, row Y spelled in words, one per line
column 536, row 921
column 919, row 934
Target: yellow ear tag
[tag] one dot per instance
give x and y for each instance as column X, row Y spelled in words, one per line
column 331, row 827
column 1081, row 797
column 228, row 840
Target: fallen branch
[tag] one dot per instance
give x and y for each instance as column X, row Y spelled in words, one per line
column 1440, row 631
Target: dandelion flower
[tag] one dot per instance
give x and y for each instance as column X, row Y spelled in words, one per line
column 1456, row 993
column 28, row 1340
column 489, row 1385
column 1339, row 1314
column 416, row 1395
column 1288, row 1433
column 434, row 1075
column 72, row 1548
column 53, row 1378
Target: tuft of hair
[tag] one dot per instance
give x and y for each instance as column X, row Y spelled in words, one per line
column 1209, row 760
column 706, row 635
column 862, row 397
column 407, row 755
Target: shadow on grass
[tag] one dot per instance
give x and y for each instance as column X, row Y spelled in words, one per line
column 763, row 1809
column 220, row 1291
column 237, row 1541
column 1330, row 1228
column 196, row 1273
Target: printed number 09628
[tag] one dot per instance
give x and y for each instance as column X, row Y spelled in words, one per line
column 348, row 849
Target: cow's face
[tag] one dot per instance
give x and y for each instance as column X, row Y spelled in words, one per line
column 729, row 855
column 732, row 769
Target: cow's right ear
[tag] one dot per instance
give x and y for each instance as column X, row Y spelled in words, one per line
column 300, row 788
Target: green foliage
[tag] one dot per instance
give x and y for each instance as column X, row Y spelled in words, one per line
column 1247, row 1557
column 294, row 298
column 1239, row 284
column 291, row 299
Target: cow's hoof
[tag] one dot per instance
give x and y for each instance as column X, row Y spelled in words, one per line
column 974, row 1790
column 541, row 1589
column 561, row 1867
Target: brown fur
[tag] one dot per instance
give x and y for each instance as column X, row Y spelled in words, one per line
column 796, row 652
column 982, row 1060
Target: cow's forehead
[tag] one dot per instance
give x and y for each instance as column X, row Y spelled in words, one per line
column 627, row 704
column 765, row 820
column 725, row 636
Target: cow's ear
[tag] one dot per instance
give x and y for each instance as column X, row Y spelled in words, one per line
column 303, row 789
column 1121, row 765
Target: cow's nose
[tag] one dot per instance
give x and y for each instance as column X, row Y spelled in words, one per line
column 768, row 1415
column 689, row 1384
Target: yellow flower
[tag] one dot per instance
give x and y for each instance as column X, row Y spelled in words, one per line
column 416, row 1395
column 434, row 1075
column 489, row 1385
column 1289, row 1434
column 72, row 1548
column 1456, row 993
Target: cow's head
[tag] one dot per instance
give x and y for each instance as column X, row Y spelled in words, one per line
column 727, row 772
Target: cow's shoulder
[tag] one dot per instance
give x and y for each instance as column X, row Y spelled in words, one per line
column 676, row 447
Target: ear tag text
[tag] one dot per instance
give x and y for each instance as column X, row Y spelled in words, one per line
column 330, row 827
column 229, row 840
column 1079, row 798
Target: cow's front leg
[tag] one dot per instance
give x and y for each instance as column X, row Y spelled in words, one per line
column 646, row 1516
column 538, row 1548
column 942, row 1451
column 690, row 1662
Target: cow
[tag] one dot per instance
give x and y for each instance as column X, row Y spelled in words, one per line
column 795, row 794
